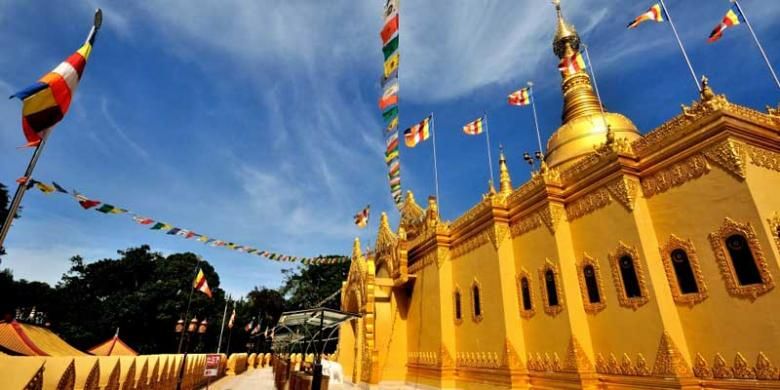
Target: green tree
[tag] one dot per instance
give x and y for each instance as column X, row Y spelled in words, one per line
column 306, row 286
column 5, row 203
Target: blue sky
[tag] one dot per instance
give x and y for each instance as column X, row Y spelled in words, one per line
column 256, row 121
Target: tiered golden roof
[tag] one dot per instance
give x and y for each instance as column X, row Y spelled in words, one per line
column 585, row 123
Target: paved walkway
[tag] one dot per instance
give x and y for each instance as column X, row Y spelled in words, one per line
column 259, row 378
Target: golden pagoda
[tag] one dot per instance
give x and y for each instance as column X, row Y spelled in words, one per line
column 628, row 261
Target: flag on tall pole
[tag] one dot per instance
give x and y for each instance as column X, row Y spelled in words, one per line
column 742, row 17
column 361, row 218
column 525, row 96
column 232, row 320
column 731, row 19
column 476, row 127
column 201, row 284
column 521, row 97
column 44, row 104
column 418, row 133
column 654, row 13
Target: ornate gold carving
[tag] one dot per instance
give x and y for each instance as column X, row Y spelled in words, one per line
column 432, row 214
column 551, row 214
column 530, row 187
column 475, row 285
column 470, row 244
column 742, row 369
column 556, row 363
column 764, row 158
column 671, row 245
column 591, row 307
column 624, row 191
column 430, row 359
column 774, row 228
column 601, row 364
column 428, row 258
column 626, row 365
column 614, row 262
column 525, row 225
column 445, row 359
column 730, row 156
column 478, row 359
column 442, row 255
column 641, row 368
column 550, row 266
column 471, row 215
column 412, row 216
column 511, row 358
column 588, row 204
column 764, row 368
column 576, row 359
column 525, row 313
column 721, row 369
column 717, row 239
column 385, row 239
column 457, row 299
column 497, row 233
column 689, row 169
column 669, row 360
column 532, row 364
column 613, row 367
column 700, row 367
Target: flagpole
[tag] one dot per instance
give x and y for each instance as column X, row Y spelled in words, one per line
column 536, row 120
column 595, row 84
column 682, row 48
column 435, row 167
column 487, row 141
column 222, row 327
column 21, row 189
column 755, row 38
column 187, row 311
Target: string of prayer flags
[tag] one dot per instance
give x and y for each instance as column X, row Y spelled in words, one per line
column 418, row 133
column 153, row 224
column 655, row 13
column 733, row 17
column 388, row 102
column 46, row 102
column 521, row 97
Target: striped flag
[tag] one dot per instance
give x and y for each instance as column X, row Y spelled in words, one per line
column 474, row 127
column 417, row 133
column 361, row 218
column 572, row 64
column 232, row 320
column 46, row 102
column 655, row 13
column 521, row 97
column 391, row 64
column 201, row 284
column 391, row 152
column 732, row 18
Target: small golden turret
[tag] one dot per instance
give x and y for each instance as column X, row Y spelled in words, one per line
column 585, row 124
column 356, row 252
column 505, row 180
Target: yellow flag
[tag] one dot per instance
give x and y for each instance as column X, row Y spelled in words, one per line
column 391, row 64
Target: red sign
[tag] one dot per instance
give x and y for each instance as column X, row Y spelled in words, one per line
column 212, row 365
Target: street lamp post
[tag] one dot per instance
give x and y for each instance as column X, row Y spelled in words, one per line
column 192, row 327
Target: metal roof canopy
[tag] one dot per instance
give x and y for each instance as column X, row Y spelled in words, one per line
column 308, row 327
column 312, row 317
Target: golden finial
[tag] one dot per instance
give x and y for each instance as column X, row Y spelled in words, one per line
column 432, row 214
column 356, row 252
column 384, row 222
column 706, row 92
column 505, row 182
column 566, row 35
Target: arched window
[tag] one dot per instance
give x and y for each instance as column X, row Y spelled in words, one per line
column 591, row 284
column 630, row 279
column 477, row 302
column 525, row 293
column 683, row 271
column 552, row 291
column 742, row 260
column 458, row 310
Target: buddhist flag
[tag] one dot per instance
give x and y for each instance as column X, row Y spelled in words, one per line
column 390, row 48
column 391, row 151
column 389, row 96
column 655, row 13
column 417, row 133
column 201, row 284
column 520, row 97
column 232, row 320
column 572, row 64
column 85, row 202
column 390, row 29
column 47, row 101
column 391, row 64
column 361, row 218
column 474, row 127
column 732, row 18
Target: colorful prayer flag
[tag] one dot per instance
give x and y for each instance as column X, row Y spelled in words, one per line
column 390, row 114
column 733, row 17
column 232, row 320
column 570, row 65
column 46, row 102
column 109, row 209
column 59, row 188
column 361, row 218
column 387, row 101
column 391, row 64
column 143, row 220
column 655, row 13
column 389, row 79
column 521, row 97
column 174, row 231
column 201, row 284
column 474, row 127
column 85, row 202
column 417, row 133
column 390, row 48
column 390, row 29
column 45, row 188
column 392, row 126
column 161, row 226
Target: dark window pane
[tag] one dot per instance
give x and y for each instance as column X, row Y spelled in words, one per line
column 743, row 261
column 477, row 303
column 457, row 305
column 684, row 272
column 630, row 279
column 552, row 292
column 526, row 292
column 591, row 284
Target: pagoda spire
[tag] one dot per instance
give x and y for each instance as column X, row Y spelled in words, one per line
column 505, row 180
column 356, row 252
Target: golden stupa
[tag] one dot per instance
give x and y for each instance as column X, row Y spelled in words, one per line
column 627, row 261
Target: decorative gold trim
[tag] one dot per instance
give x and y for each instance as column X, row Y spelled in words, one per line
column 576, row 359
column 478, row 360
column 551, row 310
column 728, row 273
column 742, row 369
column 525, row 313
column 588, row 204
column 551, row 214
column 764, row 368
column 511, row 358
column 614, row 262
column 624, row 191
column 497, row 234
column 700, row 367
column 682, row 172
column 671, row 245
column 525, row 225
column 445, row 359
column 455, row 302
column 774, row 228
column 591, row 308
column 721, row 369
column 477, row 318
column 470, row 244
column 730, row 156
column 764, row 158
column 669, row 360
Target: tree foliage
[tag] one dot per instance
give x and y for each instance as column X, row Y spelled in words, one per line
column 5, row 203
